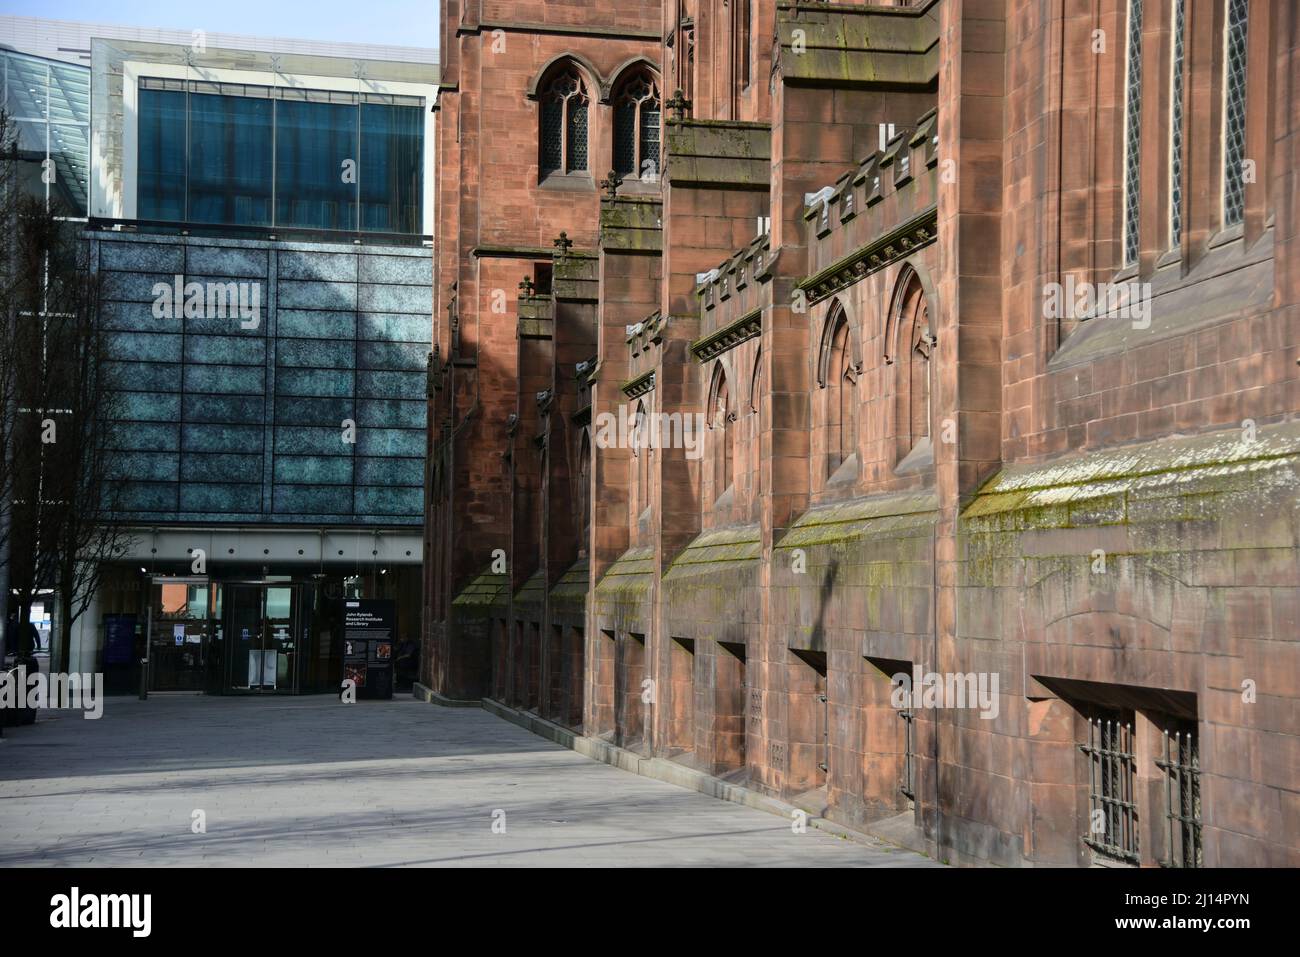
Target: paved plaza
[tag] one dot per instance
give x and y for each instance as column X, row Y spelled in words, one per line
column 292, row 782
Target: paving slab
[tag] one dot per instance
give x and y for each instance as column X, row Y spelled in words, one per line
column 310, row 781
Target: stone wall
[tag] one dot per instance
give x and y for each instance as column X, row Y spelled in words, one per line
column 1077, row 535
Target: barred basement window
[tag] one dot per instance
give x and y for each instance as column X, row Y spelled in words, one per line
column 1176, row 128
column 1112, row 807
column 1234, row 113
column 1132, row 130
column 563, row 146
column 636, row 126
column 1181, row 763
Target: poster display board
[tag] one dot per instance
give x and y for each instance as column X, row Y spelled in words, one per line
column 121, row 660
column 369, row 627
column 119, row 639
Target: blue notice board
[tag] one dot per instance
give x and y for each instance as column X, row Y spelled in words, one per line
column 119, row 639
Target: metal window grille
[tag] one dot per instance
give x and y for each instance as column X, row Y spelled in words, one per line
column 1181, row 763
column 1113, row 816
column 1176, row 129
column 1132, row 130
column 908, row 786
column 1234, row 114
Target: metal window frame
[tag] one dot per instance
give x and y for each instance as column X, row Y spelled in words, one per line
column 1181, row 764
column 908, row 784
column 1233, row 196
column 1112, row 786
column 1177, row 67
column 1132, row 131
column 358, row 101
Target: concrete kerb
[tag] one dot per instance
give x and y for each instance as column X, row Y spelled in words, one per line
column 428, row 694
column 659, row 769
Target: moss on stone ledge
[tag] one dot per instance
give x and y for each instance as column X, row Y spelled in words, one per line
column 484, row 593
column 876, row 516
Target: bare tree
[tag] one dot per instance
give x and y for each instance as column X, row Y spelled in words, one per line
column 8, row 352
column 62, row 517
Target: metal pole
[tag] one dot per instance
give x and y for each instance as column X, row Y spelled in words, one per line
column 144, row 679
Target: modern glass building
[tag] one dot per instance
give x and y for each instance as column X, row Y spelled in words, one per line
column 261, row 223
column 48, row 103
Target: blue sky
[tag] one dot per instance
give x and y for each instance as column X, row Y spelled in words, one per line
column 401, row 22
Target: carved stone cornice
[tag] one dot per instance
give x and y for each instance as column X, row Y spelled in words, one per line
column 893, row 246
column 748, row 326
column 640, row 385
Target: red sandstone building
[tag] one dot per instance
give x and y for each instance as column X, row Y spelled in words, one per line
column 974, row 329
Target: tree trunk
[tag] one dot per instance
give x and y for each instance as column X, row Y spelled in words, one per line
column 61, row 633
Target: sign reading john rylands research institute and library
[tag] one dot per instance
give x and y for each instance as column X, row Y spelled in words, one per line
column 368, row 625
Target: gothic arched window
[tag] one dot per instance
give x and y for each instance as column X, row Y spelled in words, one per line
column 756, row 428
column 563, row 139
column 840, row 376
column 636, row 126
column 914, row 350
column 584, row 492
column 641, row 451
column 721, row 415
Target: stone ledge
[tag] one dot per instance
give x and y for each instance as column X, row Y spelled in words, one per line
column 689, row 778
column 421, row 693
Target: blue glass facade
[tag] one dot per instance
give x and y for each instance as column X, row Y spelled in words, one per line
column 242, row 155
column 229, row 419
column 309, row 192
column 229, row 161
column 162, row 155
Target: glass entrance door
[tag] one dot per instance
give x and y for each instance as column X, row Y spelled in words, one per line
column 259, row 631
column 279, row 649
column 178, row 634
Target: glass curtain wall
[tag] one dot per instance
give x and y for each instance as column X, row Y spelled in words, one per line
column 49, row 105
column 309, row 192
column 162, row 155
column 229, row 160
column 240, row 155
column 391, row 154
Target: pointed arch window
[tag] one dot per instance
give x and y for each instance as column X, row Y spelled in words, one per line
column 564, row 109
column 1234, row 112
column 584, row 492
column 920, row 376
column 839, row 376
column 1177, row 29
column 721, row 415
column 641, row 451
column 636, row 125
column 756, row 429
column 1132, row 129
column 916, row 343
